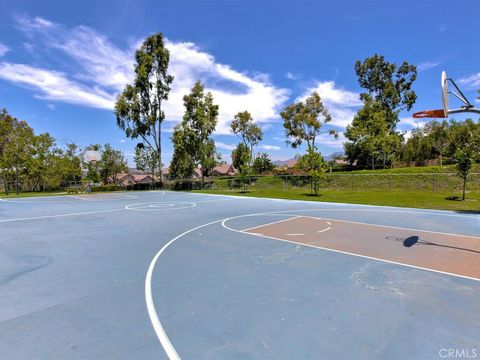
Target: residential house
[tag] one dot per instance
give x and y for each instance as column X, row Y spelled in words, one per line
column 224, row 170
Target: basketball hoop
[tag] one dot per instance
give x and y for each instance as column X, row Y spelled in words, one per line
column 91, row 156
column 429, row 114
column 443, row 113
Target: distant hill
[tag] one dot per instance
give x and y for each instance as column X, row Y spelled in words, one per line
column 335, row 155
column 282, row 162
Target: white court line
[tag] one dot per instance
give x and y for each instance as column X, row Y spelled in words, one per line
column 77, row 197
column 298, row 234
column 392, row 227
column 209, row 201
column 152, row 312
column 60, row 215
column 273, row 222
column 132, row 206
column 323, row 230
column 160, row 331
column 343, row 252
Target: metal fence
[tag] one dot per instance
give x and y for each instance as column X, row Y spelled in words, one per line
column 433, row 182
column 12, row 186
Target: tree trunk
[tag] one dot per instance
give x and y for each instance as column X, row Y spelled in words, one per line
column 16, row 180
column 5, row 184
column 373, row 162
column 441, row 160
column 160, row 154
column 153, row 179
column 464, row 188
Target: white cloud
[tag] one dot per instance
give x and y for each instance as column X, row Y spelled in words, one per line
column 30, row 25
column 292, row 76
column 410, row 122
column 254, row 93
column 341, row 103
column 269, row 147
column 330, row 141
column 222, row 145
column 102, row 68
column 427, row 65
column 52, row 106
column 122, row 141
column 3, row 49
column 472, row 81
column 54, row 85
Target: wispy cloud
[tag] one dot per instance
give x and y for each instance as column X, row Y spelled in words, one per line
column 95, row 70
column 427, row 65
column 222, row 145
column 471, row 81
column 407, row 123
column 341, row 103
column 3, row 49
column 331, row 142
column 291, row 76
column 269, row 147
column 54, row 85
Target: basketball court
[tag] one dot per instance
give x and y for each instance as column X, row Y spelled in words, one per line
column 152, row 275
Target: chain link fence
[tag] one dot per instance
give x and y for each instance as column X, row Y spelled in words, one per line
column 12, row 187
column 433, row 182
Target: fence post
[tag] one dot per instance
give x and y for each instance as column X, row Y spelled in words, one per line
column 433, row 182
column 352, row 181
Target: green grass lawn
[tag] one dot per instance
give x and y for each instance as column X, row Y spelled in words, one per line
column 415, row 199
column 34, row 193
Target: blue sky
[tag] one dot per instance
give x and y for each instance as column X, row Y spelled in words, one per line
column 61, row 66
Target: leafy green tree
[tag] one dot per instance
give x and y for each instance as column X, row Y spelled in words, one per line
column 250, row 133
column 43, row 157
column 18, row 150
column 198, row 124
column 6, row 128
column 370, row 136
column 244, row 174
column 418, row 147
column 303, row 121
column 438, row 136
column 139, row 107
column 111, row 164
column 465, row 159
column 182, row 165
column 146, row 160
column 65, row 169
column 313, row 163
column 262, row 164
column 241, row 155
column 462, row 134
column 388, row 84
column 388, row 90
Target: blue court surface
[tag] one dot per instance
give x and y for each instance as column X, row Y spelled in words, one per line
column 156, row 275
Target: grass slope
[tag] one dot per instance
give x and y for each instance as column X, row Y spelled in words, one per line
column 414, row 199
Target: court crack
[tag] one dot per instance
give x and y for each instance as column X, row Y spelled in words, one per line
column 356, row 277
